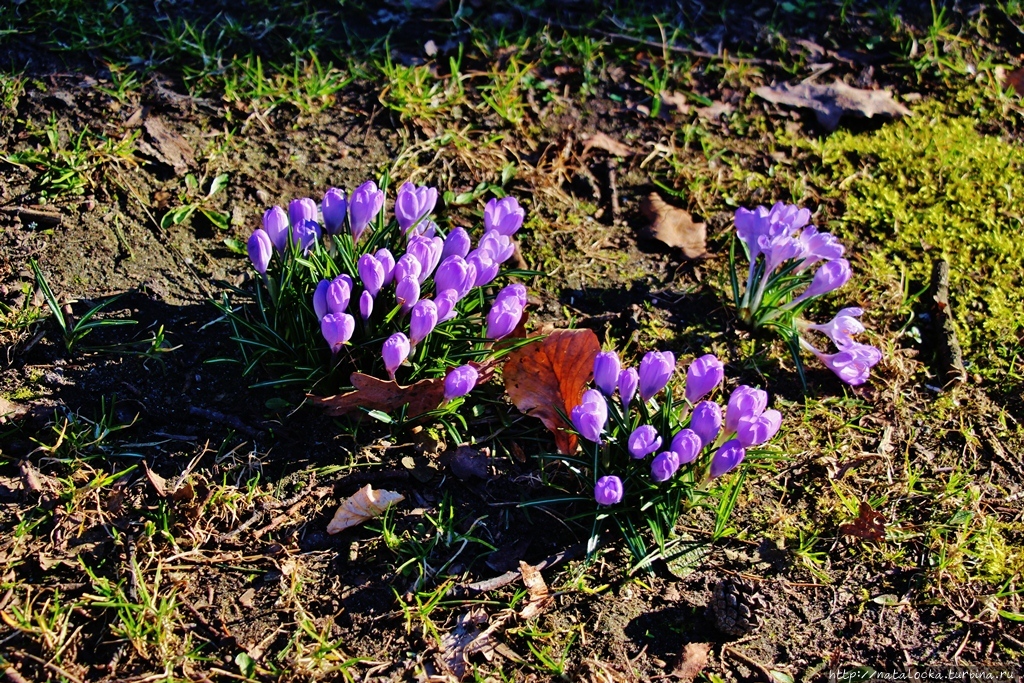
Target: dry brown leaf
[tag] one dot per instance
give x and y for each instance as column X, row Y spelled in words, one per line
column 674, row 226
column 455, row 642
column 539, row 598
column 693, row 661
column 677, row 100
column 1015, row 79
column 361, row 506
column 869, row 525
column 609, row 144
column 11, row 411
column 549, row 376
column 831, row 102
column 170, row 147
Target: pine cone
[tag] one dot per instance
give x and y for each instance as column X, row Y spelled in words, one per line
column 736, row 607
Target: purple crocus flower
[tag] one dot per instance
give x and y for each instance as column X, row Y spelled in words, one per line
column 842, row 327
column 339, row 292
column 365, row 305
column 628, row 381
column 275, row 222
column 687, row 444
column 643, row 441
column 260, row 249
column 301, row 210
column 426, row 250
column 425, row 228
column 422, row 320
column 516, row 291
column 457, row 243
column 394, row 352
column 503, row 318
column 364, row 205
column 606, row 371
column 408, row 266
column 656, row 370
column 371, row 272
column 387, row 262
column 337, row 329
column 706, row 421
column 306, row 234
column 320, row 299
column 590, row 416
column 728, row 456
column 504, row 216
column 608, row 490
column 453, row 273
column 460, row 381
column 830, row 276
column 779, row 250
column 486, row 268
column 744, row 402
column 818, row 246
column 754, row 431
column 334, row 207
column 499, row 246
column 413, row 204
column 703, row 375
column 407, row 292
column 664, row 466
column 445, row 302
column 853, row 363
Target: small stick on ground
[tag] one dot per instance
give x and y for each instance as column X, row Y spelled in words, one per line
column 753, row 663
column 229, row 420
column 508, row 577
column 950, row 355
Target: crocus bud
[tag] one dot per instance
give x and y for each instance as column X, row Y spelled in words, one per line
column 515, row 290
column 339, row 292
column 706, row 421
column 408, row 266
column 628, row 380
column 334, row 207
column 301, row 210
column 831, row 275
column 407, row 292
column 503, row 216
column 754, row 431
column 703, row 375
column 395, row 351
column 306, row 234
column 606, row 371
column 590, row 416
column 371, row 273
column 413, row 203
column 687, row 445
column 452, row 274
column 387, row 262
column 275, row 222
column 260, row 250
column 503, row 318
column 664, row 466
column 608, row 490
column 337, row 329
column 656, row 370
column 460, row 381
column 422, row 320
column 365, row 305
column 457, row 243
column 426, row 250
column 485, row 267
column 446, row 301
column 364, row 205
column 728, row 456
column 643, row 441
column 744, row 402
column 499, row 246
column 320, row 299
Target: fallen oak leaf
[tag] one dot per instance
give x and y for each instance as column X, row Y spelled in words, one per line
column 363, row 505
column 674, row 227
column 869, row 525
column 832, row 102
column 546, row 379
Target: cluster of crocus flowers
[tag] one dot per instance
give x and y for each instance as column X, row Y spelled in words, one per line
column 792, row 263
column 701, row 437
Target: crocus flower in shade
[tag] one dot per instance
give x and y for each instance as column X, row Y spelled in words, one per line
column 656, row 370
column 365, row 305
column 728, row 456
column 499, row 246
column 503, row 216
column 664, row 466
column 643, row 441
column 853, row 363
column 260, row 250
column 301, row 210
column 503, row 318
column 413, row 203
column 387, row 262
column 460, row 381
column 306, row 234
column 516, row 291
column 687, row 445
column 408, row 266
column 703, row 375
column 395, row 351
column 744, row 402
column 608, row 490
column 275, row 222
column 407, row 292
column 426, row 250
column 457, row 243
column 339, row 293
column 606, row 371
column 445, row 302
column 453, row 273
column 486, row 267
column 320, row 299
column 628, row 381
column 422, row 320
column 706, row 421
column 590, row 416
column 842, row 327
column 334, row 207
column 363, row 206
column 371, row 273
column 337, row 329
column 830, row 276
column 754, row 431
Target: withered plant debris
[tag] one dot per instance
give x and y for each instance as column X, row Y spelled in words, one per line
column 539, row 598
column 869, row 525
column 363, row 505
column 674, row 227
column 692, row 662
column 608, row 144
column 831, row 102
column 167, row 145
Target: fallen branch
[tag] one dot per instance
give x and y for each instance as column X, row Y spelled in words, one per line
column 950, row 355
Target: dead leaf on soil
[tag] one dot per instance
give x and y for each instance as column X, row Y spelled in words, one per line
column 869, row 525
column 468, row 462
column 170, row 147
column 539, row 598
column 363, row 505
column 608, row 144
column 832, row 102
column 677, row 100
column 549, row 376
column 674, row 226
column 715, row 111
column 1015, row 79
column 11, row 411
column 455, row 642
column 692, row 662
